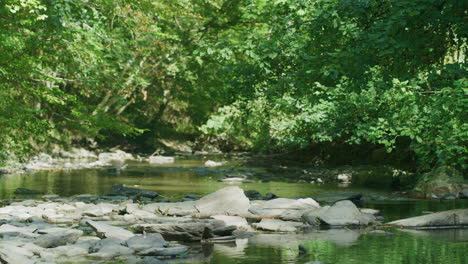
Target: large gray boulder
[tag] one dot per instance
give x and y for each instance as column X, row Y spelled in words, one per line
column 227, row 201
column 57, row 237
column 161, row 251
column 182, row 231
column 289, row 209
column 279, row 225
column 147, row 241
column 177, row 209
column 12, row 254
column 458, row 217
column 11, row 230
column 108, row 231
column 342, row 213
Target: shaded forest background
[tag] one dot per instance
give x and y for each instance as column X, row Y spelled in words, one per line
column 359, row 76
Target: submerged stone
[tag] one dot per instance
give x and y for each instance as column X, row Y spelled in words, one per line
column 458, row 217
column 119, row 190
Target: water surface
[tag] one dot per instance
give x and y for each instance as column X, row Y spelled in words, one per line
column 188, row 175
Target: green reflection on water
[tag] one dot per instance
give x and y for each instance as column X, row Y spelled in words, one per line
column 402, row 247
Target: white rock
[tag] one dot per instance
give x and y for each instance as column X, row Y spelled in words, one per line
column 161, row 160
column 108, row 231
column 278, row 225
column 237, row 221
column 227, row 201
column 210, row 163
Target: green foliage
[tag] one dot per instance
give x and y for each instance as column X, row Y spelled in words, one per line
column 262, row 75
column 354, row 72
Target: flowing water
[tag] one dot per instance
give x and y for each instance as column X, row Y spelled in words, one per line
column 188, row 175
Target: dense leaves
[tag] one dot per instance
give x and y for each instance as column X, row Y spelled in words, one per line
column 260, row 75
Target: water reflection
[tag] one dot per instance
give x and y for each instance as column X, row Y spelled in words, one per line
column 346, row 246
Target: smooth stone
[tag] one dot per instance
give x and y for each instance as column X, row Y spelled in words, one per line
column 236, row 180
column 236, row 221
column 342, row 213
column 278, row 225
column 10, row 254
column 78, row 249
column 369, row 211
column 211, row 163
column 227, row 201
column 100, row 209
column 112, row 250
column 457, row 217
column 11, row 230
column 24, row 191
column 180, row 231
column 281, row 206
column 146, row 241
column 336, row 197
column 178, row 209
column 118, row 155
column 161, row 160
column 108, row 231
column 253, row 195
column 55, row 239
column 120, row 190
column 169, row 251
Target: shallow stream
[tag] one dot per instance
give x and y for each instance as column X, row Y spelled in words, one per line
column 188, row 175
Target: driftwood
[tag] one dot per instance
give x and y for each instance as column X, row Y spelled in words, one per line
column 247, row 216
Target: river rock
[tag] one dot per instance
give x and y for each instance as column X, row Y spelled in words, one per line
column 169, row 251
column 286, row 209
column 342, row 213
column 78, row 153
column 177, row 209
column 11, row 230
column 11, row 254
column 227, row 201
column 100, row 209
column 369, row 211
column 24, row 191
column 278, row 225
column 253, row 195
column 236, row 221
column 464, row 194
column 233, row 180
column 180, row 231
column 458, row 217
column 108, row 231
column 119, row 190
column 336, row 197
column 57, row 237
column 78, row 249
column 112, row 250
column 441, row 182
column 147, row 241
column 118, row 155
column 161, row 160
column 210, row 163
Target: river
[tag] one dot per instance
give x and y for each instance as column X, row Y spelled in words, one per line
column 188, row 175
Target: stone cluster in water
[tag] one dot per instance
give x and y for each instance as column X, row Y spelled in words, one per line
column 55, row 229
column 86, row 228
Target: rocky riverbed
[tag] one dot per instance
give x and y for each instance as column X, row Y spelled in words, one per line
column 122, row 226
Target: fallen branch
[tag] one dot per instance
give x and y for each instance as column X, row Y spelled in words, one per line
column 247, row 216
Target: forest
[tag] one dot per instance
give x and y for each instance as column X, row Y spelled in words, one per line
column 269, row 76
